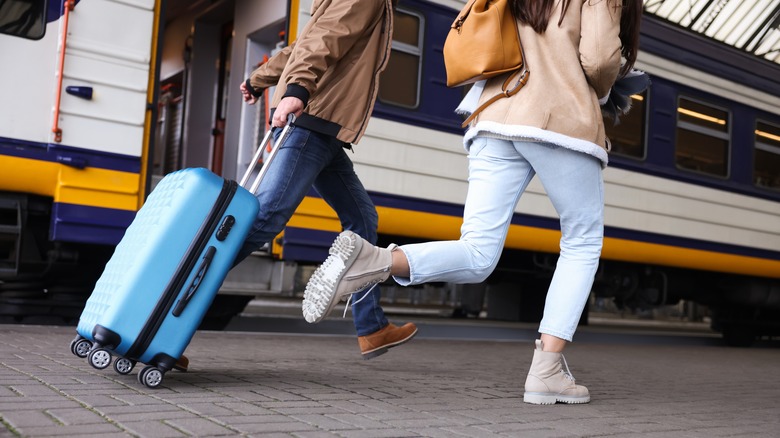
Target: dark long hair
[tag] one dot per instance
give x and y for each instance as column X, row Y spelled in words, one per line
column 537, row 14
column 630, row 19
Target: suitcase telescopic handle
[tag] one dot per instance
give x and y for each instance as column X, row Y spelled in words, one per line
column 258, row 154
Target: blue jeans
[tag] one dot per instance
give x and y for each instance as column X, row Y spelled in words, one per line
column 499, row 172
column 309, row 159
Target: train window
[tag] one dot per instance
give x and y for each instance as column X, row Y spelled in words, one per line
column 23, row 18
column 702, row 138
column 628, row 135
column 400, row 84
column 766, row 156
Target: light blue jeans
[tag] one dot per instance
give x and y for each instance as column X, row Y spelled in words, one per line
column 499, row 172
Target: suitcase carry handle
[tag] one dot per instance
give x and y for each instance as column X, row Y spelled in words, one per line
column 258, row 154
column 182, row 303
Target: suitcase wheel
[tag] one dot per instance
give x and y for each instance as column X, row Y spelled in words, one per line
column 80, row 347
column 123, row 365
column 99, row 358
column 150, row 376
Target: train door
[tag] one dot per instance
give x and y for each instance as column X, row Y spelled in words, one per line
column 223, row 91
column 221, row 44
column 194, row 100
column 255, row 40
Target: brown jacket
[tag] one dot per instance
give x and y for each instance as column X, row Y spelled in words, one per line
column 333, row 66
column 571, row 68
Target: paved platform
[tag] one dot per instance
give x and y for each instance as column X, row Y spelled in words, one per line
column 287, row 385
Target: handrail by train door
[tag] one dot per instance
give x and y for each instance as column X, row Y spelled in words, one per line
column 68, row 6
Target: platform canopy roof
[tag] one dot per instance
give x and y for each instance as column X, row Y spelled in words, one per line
column 752, row 26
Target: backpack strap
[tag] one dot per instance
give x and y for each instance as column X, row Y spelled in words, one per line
column 505, row 92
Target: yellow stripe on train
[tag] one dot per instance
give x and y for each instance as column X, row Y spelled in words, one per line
column 90, row 186
column 314, row 213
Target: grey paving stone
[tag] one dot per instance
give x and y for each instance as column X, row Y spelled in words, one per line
column 292, row 404
column 380, row 433
column 75, row 416
column 314, row 434
column 245, row 408
column 156, row 428
column 156, row 406
column 201, row 427
column 359, row 421
column 245, row 419
column 34, row 390
column 90, row 399
column 129, row 417
column 75, row 430
column 264, row 427
column 37, row 403
column 28, row 417
column 445, row 432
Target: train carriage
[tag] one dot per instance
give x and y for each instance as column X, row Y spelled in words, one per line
column 692, row 191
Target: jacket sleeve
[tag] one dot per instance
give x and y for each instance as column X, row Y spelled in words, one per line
column 334, row 31
column 600, row 43
column 268, row 74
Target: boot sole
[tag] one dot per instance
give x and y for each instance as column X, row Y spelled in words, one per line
column 318, row 291
column 537, row 398
column 383, row 349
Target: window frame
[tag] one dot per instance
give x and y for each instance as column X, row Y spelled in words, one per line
column 411, row 50
column 728, row 135
column 44, row 23
column 757, row 145
column 645, row 131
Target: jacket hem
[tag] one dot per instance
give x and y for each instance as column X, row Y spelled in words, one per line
column 520, row 132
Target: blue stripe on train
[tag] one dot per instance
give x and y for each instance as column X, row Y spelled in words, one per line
column 84, row 224
column 55, row 9
column 72, row 156
column 306, row 245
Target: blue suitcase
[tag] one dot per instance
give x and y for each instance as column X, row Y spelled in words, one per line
column 166, row 271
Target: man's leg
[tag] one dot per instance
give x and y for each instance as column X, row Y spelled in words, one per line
column 340, row 187
column 292, row 173
column 286, row 182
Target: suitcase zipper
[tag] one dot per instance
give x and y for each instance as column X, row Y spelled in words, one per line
column 183, row 271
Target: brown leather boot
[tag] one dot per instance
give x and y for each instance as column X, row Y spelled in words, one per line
column 377, row 343
column 182, row 364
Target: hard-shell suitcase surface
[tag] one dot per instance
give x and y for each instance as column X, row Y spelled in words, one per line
column 166, row 271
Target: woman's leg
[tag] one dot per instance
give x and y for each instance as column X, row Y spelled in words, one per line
column 573, row 182
column 498, row 175
column 574, row 185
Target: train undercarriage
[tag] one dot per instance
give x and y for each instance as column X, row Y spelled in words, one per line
column 45, row 282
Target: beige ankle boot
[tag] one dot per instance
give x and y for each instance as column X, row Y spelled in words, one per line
column 548, row 382
column 352, row 266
